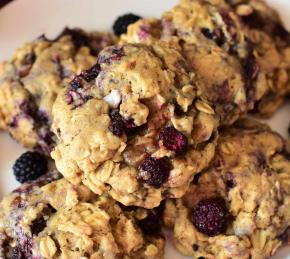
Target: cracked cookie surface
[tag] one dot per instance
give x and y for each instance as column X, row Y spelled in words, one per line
column 134, row 125
column 239, row 207
column 244, row 67
column 59, row 220
column 31, row 80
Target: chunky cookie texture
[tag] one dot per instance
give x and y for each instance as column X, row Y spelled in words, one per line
column 138, row 129
column 59, row 220
column 270, row 41
column 239, row 207
column 243, row 61
column 31, row 80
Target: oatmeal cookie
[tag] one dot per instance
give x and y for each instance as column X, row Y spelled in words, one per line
column 271, row 41
column 134, row 126
column 243, row 69
column 59, row 220
column 31, row 80
column 239, row 207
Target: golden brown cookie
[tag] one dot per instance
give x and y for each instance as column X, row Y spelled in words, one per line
column 244, row 67
column 134, row 126
column 239, row 207
column 31, row 80
column 59, row 220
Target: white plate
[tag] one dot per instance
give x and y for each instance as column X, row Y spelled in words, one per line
column 24, row 20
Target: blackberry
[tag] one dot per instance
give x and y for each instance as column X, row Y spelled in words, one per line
column 154, row 172
column 29, row 166
column 173, row 139
column 120, row 125
column 211, row 216
column 122, row 22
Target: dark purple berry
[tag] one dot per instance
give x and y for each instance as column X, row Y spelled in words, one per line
column 76, row 83
column 90, row 74
column 95, row 70
column 154, row 171
column 112, row 54
column 120, row 125
column 207, row 33
column 251, row 67
column 173, row 139
column 29, row 166
column 151, row 224
column 211, row 216
column 117, row 127
column 122, row 22
column 130, row 127
column 216, row 36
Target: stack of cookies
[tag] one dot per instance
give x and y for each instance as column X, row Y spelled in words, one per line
column 150, row 126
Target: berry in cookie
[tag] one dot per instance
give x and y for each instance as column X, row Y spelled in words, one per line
column 59, row 220
column 211, row 216
column 269, row 38
column 31, row 80
column 238, row 207
column 122, row 22
column 244, row 67
column 29, row 166
column 154, row 172
column 173, row 139
column 121, row 133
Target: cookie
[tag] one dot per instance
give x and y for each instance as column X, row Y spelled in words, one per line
column 239, row 207
column 264, row 29
column 31, row 80
column 134, row 126
column 243, row 69
column 59, row 220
